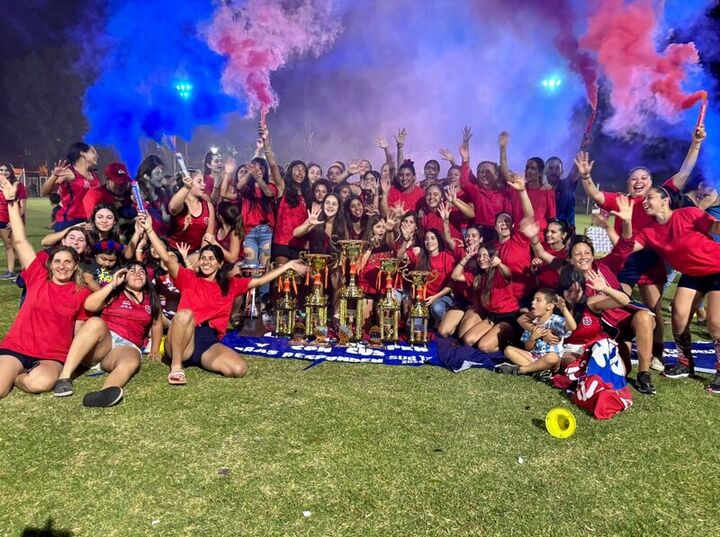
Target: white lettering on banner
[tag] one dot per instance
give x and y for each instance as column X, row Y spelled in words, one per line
column 251, row 350
column 364, row 352
column 408, row 348
column 311, row 348
column 262, row 344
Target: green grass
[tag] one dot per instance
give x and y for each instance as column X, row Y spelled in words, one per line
column 368, row 450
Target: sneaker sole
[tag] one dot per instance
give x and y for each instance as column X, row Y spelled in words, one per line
column 680, row 376
column 63, row 394
column 714, row 391
column 108, row 403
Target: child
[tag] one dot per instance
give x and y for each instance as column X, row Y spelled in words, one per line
column 543, row 336
column 54, row 198
column 106, row 261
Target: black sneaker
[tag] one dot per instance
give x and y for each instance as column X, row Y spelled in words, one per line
column 714, row 386
column 63, row 388
column 644, row 383
column 107, row 397
column 677, row 371
column 507, row 369
column 543, row 376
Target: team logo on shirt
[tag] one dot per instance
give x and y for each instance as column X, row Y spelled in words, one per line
column 126, row 305
column 586, row 321
column 148, row 309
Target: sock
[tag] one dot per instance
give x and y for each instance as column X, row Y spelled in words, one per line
column 684, row 349
column 716, row 346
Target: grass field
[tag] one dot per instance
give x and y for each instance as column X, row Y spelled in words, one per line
column 362, row 449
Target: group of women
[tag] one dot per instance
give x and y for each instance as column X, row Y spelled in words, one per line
column 116, row 274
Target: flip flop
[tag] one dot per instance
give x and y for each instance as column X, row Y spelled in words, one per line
column 177, row 377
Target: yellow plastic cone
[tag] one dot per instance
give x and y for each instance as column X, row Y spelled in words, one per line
column 560, row 423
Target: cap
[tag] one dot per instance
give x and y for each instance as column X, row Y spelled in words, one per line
column 117, row 173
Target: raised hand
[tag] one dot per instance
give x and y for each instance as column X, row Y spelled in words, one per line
column 699, row 134
column 400, row 136
column 583, row 163
column 467, row 134
column 62, row 171
column 529, row 228
column 118, row 278
column 260, row 144
column 255, row 170
column 385, row 184
column 451, row 193
column 382, row 142
column 9, row 189
column 187, row 181
column 503, row 139
column 314, row 216
column 444, row 211
column 354, row 168
column 445, row 154
column 464, row 151
column 625, row 210
column 389, row 224
column 596, row 281
column 371, row 211
column 184, row 249
column 560, row 303
column 516, row 181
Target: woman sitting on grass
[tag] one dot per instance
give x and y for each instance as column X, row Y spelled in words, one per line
column 130, row 307
column 34, row 349
column 206, row 301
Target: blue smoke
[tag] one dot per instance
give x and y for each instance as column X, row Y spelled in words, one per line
column 148, row 50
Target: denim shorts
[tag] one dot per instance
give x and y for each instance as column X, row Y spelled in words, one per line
column 259, row 240
column 119, row 341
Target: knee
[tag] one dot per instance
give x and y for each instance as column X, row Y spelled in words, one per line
column 643, row 320
column 713, row 326
column 39, row 384
column 238, row 368
column 553, row 359
column 487, row 345
column 443, row 330
column 94, row 324
column 131, row 363
column 184, row 317
column 470, row 338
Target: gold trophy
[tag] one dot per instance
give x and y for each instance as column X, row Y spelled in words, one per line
column 389, row 306
column 316, row 303
column 419, row 310
column 252, row 321
column 285, row 307
column 351, row 296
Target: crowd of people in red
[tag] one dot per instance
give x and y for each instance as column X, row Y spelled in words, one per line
column 511, row 273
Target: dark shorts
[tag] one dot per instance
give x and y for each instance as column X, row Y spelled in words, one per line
column 460, row 303
column 644, row 267
column 28, row 362
column 283, row 250
column 4, row 225
column 704, row 284
column 64, row 224
column 509, row 318
column 205, row 337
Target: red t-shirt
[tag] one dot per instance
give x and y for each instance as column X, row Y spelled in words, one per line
column 515, row 255
column 205, row 300
column 209, row 181
column 21, row 194
column 289, row 218
column 412, row 200
column 684, row 242
column 188, row 228
column 589, row 330
column 487, row 203
column 253, row 213
column 44, row 326
column 543, row 202
column 96, row 195
column 441, row 266
column 72, row 195
column 548, row 276
column 129, row 319
column 370, row 274
column 640, row 218
column 433, row 220
column 501, row 299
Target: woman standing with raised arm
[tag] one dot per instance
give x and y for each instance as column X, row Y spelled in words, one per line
column 192, row 215
column 34, row 349
column 203, row 314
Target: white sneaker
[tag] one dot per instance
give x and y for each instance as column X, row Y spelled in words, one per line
column 656, row 364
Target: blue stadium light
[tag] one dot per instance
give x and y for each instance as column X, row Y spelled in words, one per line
column 551, row 83
column 184, row 90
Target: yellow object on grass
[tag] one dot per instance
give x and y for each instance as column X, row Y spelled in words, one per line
column 560, row 422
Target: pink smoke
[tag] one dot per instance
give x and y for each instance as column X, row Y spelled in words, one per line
column 643, row 81
column 261, row 37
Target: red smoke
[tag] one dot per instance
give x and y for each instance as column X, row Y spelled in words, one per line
column 261, row 37
column 643, row 81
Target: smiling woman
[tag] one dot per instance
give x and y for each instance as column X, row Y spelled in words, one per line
column 34, row 349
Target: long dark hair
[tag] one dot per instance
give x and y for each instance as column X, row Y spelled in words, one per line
column 293, row 191
column 318, row 238
column 570, row 275
column 10, row 168
column 73, row 154
column 248, row 194
column 114, row 233
column 348, row 216
column 489, row 273
column 423, row 262
column 221, row 276
column 144, row 172
column 229, row 213
column 148, row 290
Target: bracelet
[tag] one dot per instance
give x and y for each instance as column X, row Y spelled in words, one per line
column 535, row 243
column 10, row 199
column 586, row 177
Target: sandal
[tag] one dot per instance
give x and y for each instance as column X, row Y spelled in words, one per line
column 177, row 377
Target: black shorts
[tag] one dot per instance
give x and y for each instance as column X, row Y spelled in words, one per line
column 704, row 284
column 205, row 337
column 4, row 225
column 637, row 265
column 28, row 362
column 284, row 250
column 460, row 303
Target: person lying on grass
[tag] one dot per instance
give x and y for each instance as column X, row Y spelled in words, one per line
column 206, row 300
column 542, row 351
column 130, row 308
column 34, row 349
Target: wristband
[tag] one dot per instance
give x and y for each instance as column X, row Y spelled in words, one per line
column 586, row 177
column 535, row 243
column 10, row 200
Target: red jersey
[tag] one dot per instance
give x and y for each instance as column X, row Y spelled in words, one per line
column 441, row 266
column 543, row 202
column 72, row 195
column 412, row 199
column 684, row 242
column 487, row 203
column 188, row 228
column 501, row 299
column 253, row 213
column 289, row 218
column 640, row 218
column 45, row 324
column 209, row 181
column 129, row 319
column 548, row 276
column 371, row 280
column 433, row 220
column 95, row 196
column 205, row 300
column 589, row 330
column 515, row 254
column 21, row 194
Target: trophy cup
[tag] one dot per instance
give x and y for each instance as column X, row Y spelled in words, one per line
column 419, row 311
column 316, row 302
column 252, row 321
column 285, row 308
column 389, row 306
column 351, row 296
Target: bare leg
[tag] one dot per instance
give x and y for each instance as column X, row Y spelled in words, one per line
column 122, row 363
column 517, row 356
column 10, row 368
column 180, row 342
column 91, row 341
column 41, row 378
column 495, row 339
column 683, row 306
column 474, row 333
column 652, row 297
column 549, row 361
column 224, row 360
column 5, row 235
column 450, row 322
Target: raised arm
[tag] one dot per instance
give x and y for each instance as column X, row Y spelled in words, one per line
column 313, row 220
column 170, row 261
column 177, row 202
column 99, row 299
column 585, row 166
column 61, row 172
column 466, row 209
column 503, row 140
column 400, row 140
column 517, row 183
column 385, row 146
column 22, row 246
column 530, row 229
column 295, row 265
column 679, row 180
